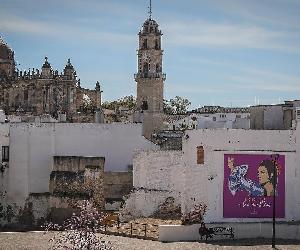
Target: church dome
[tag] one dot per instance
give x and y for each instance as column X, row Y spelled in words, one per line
column 6, row 52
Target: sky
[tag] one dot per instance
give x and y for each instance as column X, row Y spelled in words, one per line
column 231, row 53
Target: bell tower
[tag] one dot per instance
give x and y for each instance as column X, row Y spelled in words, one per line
column 149, row 77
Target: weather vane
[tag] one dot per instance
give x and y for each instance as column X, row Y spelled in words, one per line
column 150, row 10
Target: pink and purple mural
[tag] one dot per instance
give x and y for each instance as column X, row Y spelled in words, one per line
column 248, row 185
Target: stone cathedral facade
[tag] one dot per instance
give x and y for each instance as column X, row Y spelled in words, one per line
column 44, row 91
column 150, row 78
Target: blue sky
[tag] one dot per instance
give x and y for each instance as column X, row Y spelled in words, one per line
column 216, row 52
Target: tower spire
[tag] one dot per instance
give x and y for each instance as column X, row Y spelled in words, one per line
column 150, row 10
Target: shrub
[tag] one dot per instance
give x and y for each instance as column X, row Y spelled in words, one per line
column 79, row 232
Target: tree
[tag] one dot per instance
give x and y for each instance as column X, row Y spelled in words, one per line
column 178, row 105
column 79, row 232
column 126, row 101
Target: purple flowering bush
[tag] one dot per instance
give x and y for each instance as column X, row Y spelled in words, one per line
column 79, row 232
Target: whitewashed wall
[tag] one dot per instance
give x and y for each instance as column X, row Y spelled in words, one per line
column 217, row 120
column 32, row 147
column 2, row 116
column 157, row 175
column 204, row 182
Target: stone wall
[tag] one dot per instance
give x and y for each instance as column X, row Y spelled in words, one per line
column 75, row 178
column 94, row 95
column 156, row 176
column 152, row 123
column 117, row 185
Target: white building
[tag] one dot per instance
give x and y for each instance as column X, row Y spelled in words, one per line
column 199, row 174
column 32, row 147
column 215, row 120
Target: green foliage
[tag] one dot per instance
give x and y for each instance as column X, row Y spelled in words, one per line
column 126, row 101
column 178, row 105
column 87, row 105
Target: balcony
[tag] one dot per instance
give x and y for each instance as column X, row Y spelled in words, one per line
column 150, row 75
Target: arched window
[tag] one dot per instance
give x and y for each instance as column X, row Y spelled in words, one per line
column 144, row 105
column 145, row 44
column 157, row 44
column 146, row 68
column 158, row 68
column 17, row 98
column 25, row 95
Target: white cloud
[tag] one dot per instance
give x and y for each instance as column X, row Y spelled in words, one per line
column 209, row 34
column 279, row 13
column 62, row 31
column 260, row 80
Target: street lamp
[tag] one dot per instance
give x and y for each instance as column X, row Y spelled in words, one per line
column 274, row 197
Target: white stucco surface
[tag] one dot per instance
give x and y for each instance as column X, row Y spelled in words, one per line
column 32, row 147
column 215, row 120
column 204, row 182
column 2, row 116
column 156, row 176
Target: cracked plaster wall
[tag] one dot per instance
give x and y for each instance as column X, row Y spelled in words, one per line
column 32, row 147
column 156, row 176
column 204, row 182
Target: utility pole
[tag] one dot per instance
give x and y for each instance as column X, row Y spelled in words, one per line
column 274, row 198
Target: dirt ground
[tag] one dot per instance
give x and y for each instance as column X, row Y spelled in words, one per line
column 37, row 240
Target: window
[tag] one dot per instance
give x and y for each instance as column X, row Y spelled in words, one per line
column 144, row 105
column 158, row 70
column 145, row 45
column 157, row 44
column 297, row 114
column 200, row 155
column 146, row 69
column 25, row 95
column 5, row 153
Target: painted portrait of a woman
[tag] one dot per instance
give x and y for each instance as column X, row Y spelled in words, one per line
column 267, row 175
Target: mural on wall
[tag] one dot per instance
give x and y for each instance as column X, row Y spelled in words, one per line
column 249, row 185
